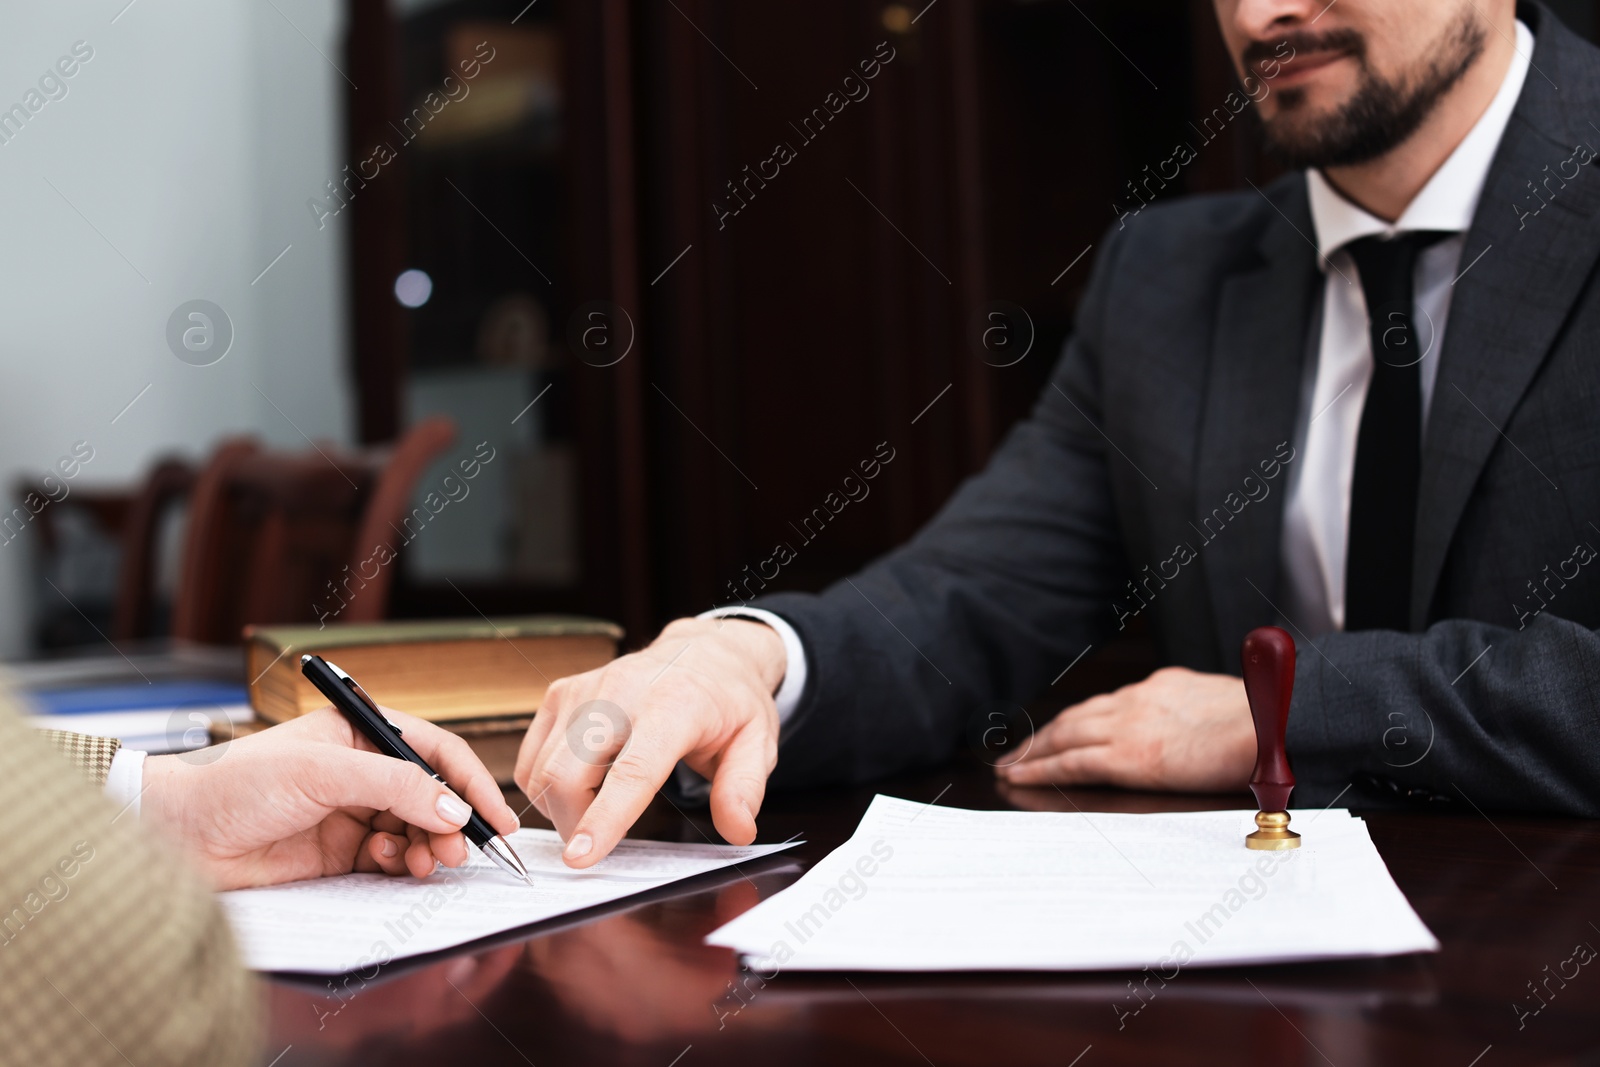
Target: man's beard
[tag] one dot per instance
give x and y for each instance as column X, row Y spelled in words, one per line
column 1381, row 114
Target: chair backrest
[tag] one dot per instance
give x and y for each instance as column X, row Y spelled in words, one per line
column 380, row 523
column 169, row 481
column 274, row 537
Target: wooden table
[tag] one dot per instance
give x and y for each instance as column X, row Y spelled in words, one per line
column 633, row 984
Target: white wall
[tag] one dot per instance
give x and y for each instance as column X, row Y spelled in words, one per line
column 190, row 142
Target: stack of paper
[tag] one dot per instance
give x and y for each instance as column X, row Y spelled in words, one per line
column 922, row 888
column 358, row 921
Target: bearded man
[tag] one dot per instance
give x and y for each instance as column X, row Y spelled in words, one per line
column 1359, row 402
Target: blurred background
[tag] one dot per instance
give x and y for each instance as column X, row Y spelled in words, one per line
column 547, row 306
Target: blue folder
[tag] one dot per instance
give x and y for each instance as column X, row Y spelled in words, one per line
column 136, row 697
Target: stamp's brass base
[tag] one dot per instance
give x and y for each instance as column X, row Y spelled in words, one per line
column 1272, row 832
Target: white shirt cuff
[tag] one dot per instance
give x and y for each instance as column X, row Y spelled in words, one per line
column 125, row 781
column 787, row 698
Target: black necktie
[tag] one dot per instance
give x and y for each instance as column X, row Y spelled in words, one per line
column 1383, row 496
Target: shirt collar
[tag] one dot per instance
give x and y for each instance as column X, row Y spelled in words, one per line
column 1449, row 199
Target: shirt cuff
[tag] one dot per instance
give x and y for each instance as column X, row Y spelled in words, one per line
column 793, row 686
column 125, row 781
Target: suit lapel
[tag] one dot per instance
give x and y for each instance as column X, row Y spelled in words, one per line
column 1522, row 274
column 1252, row 398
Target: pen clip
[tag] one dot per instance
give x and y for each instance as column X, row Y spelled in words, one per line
column 355, row 686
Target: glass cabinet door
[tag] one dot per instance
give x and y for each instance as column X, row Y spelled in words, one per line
column 457, row 127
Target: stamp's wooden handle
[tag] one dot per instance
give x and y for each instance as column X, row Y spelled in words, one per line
column 1267, row 657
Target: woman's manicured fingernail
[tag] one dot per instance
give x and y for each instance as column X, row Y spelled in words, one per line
column 387, row 847
column 579, row 846
column 452, row 808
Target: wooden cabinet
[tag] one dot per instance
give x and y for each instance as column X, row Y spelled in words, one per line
column 766, row 243
column 487, row 221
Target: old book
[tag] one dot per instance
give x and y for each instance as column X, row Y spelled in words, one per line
column 495, row 741
column 437, row 670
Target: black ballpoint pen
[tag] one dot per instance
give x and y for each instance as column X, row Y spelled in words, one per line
column 362, row 711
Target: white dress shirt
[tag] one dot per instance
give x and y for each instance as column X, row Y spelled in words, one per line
column 794, row 679
column 125, row 780
column 1317, row 512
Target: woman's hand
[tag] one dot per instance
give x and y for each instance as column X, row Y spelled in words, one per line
column 311, row 797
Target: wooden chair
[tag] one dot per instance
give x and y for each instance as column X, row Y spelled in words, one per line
column 275, row 537
column 168, row 482
column 65, row 622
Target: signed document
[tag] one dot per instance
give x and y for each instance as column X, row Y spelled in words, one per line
column 926, row 888
column 356, row 922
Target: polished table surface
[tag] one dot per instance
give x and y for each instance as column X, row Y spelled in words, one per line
column 1509, row 898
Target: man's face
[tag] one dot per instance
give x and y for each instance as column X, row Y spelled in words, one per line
column 1346, row 82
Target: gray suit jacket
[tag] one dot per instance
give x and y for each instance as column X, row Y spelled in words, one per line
column 1158, row 431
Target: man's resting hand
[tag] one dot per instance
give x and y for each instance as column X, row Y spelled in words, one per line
column 1177, row 730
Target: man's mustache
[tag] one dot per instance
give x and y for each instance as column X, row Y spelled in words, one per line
column 1303, row 41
